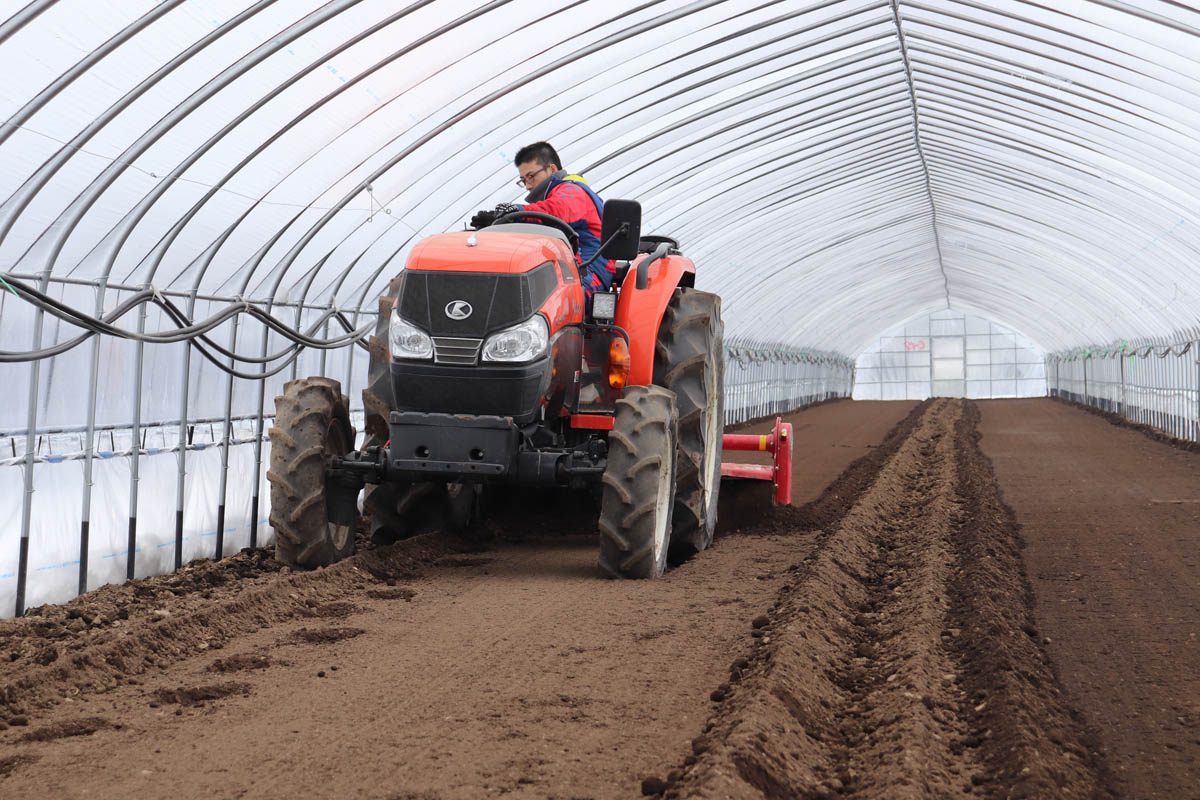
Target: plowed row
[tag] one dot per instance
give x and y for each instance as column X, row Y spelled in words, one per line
column 903, row 660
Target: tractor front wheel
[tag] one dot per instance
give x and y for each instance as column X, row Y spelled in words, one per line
column 639, row 483
column 312, row 426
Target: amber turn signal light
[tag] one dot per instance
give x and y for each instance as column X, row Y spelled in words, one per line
column 618, row 363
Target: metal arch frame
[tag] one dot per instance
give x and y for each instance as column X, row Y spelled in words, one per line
column 998, row 167
column 916, row 131
column 1123, row 220
column 1116, row 288
column 897, row 265
column 47, row 171
column 626, row 79
column 1040, row 101
column 755, row 179
column 891, row 187
column 1045, row 129
column 23, row 17
column 800, row 79
column 294, row 251
column 1012, row 145
column 779, row 129
column 38, row 101
column 147, row 139
column 279, row 270
column 623, row 79
column 1051, row 53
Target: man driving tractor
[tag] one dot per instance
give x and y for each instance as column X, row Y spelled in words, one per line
column 552, row 190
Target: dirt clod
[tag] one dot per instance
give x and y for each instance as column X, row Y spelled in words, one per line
column 326, row 635
column 239, row 663
column 398, row 593
column 653, row 785
column 10, row 763
column 62, row 730
column 196, row 696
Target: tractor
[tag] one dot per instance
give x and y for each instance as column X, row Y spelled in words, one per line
column 489, row 371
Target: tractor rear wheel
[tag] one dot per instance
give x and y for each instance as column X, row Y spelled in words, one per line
column 689, row 361
column 312, row 426
column 639, row 483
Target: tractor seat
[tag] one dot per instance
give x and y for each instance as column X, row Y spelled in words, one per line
column 648, row 244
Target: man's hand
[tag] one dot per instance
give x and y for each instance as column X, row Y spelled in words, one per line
column 505, row 208
column 482, row 219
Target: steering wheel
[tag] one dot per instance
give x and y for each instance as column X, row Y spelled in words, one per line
column 548, row 219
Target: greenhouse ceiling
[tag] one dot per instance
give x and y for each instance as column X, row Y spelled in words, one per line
column 834, row 168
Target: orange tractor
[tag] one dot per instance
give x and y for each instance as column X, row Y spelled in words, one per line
column 488, row 370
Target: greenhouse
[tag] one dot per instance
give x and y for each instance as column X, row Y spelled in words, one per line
column 209, row 204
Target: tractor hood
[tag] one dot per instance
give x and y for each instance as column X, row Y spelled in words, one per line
column 471, row 304
column 508, row 250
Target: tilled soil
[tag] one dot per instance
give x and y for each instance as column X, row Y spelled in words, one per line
column 1110, row 514
column 901, row 660
column 875, row 640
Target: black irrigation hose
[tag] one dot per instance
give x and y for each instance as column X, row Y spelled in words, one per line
column 187, row 330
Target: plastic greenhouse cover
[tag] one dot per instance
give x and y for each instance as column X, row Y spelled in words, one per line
column 834, row 167
column 1038, row 164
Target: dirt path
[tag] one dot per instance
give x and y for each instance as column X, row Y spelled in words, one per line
column 423, row 670
column 1112, row 525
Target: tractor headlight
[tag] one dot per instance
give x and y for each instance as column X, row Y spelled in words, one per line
column 407, row 341
column 520, row 343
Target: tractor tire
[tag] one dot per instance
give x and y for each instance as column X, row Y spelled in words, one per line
column 639, row 484
column 381, row 502
column 312, row 425
column 689, row 360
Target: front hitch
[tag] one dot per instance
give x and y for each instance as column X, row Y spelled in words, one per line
column 346, row 477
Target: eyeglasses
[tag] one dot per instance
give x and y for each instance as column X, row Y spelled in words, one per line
column 528, row 176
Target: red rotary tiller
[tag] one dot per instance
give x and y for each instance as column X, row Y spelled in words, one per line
column 779, row 444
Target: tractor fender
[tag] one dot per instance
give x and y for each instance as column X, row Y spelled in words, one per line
column 640, row 311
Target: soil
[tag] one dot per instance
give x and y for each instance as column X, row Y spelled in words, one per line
column 878, row 639
column 1111, row 522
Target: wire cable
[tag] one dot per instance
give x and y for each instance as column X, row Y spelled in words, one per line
column 187, row 330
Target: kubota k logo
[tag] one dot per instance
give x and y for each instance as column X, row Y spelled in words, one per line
column 458, row 309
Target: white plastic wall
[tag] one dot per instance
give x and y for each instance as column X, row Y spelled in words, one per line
column 948, row 354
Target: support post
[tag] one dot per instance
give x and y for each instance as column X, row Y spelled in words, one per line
column 225, row 444
column 89, row 453
column 135, row 447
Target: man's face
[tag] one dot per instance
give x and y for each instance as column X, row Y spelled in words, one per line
column 532, row 173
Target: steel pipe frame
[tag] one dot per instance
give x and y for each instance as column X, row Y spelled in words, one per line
column 1167, row 388
column 350, row 364
column 27, row 191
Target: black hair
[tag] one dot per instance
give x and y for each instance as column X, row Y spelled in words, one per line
column 542, row 152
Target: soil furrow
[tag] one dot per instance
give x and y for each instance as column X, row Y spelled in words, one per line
column 119, row 632
column 876, row 673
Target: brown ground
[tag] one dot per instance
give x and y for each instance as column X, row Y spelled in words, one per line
column 877, row 640
column 1111, row 521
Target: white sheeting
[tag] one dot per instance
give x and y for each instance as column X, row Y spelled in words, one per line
column 835, row 168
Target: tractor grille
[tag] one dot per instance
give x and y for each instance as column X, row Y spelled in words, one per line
column 451, row 350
